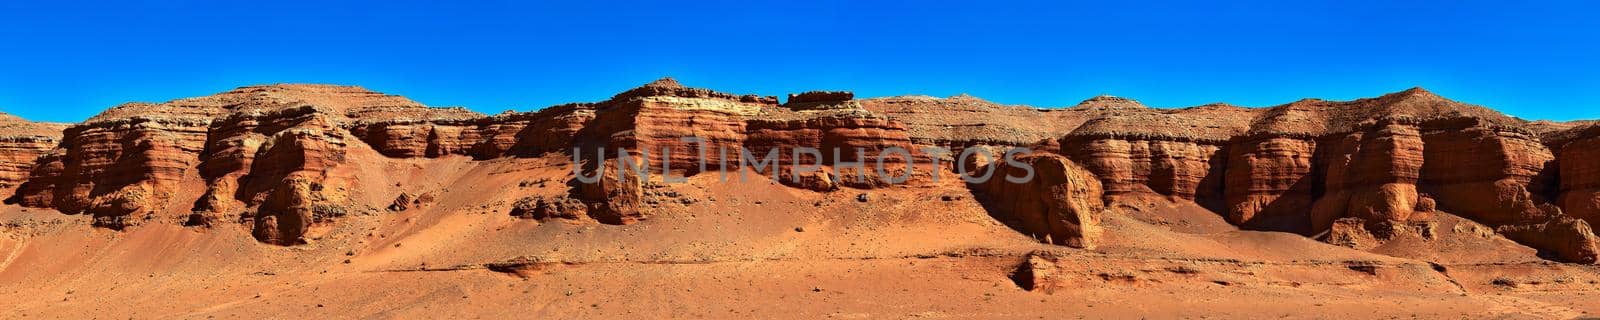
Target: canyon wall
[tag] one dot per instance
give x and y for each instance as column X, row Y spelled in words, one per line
column 22, row 142
column 1578, row 172
column 280, row 160
column 1325, row 169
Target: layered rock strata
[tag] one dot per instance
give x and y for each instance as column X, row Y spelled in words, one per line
column 277, row 158
column 22, row 142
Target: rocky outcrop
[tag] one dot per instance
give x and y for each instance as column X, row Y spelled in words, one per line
column 1489, row 173
column 846, row 137
column 1361, row 170
column 120, row 171
column 275, row 167
column 1276, row 169
column 1179, row 170
column 1062, row 203
column 658, row 117
column 277, row 158
column 1564, row 239
column 822, row 100
column 17, row 155
column 1372, row 175
column 22, row 142
column 1271, row 182
column 508, row 134
column 1579, row 174
column 617, row 198
column 1139, row 152
column 547, row 208
column 264, row 154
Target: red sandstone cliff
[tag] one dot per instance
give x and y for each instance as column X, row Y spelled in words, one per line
column 281, row 160
column 1062, row 204
column 22, row 142
column 1375, row 164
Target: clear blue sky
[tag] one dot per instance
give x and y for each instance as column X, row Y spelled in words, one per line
column 67, row 61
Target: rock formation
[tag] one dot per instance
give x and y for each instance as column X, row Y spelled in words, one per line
column 543, row 208
column 1579, row 174
column 1061, row 204
column 22, row 142
column 1142, row 152
column 265, row 154
column 1362, row 168
column 1374, row 177
column 120, row 169
column 278, row 159
column 1566, row 239
column 1270, row 181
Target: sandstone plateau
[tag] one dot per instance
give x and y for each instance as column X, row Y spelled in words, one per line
column 323, row 200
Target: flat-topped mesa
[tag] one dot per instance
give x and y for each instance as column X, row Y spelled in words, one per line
column 821, row 96
column 1211, row 125
column 822, row 100
column 21, row 143
column 1140, row 152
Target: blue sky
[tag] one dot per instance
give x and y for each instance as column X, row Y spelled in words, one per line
column 67, row 61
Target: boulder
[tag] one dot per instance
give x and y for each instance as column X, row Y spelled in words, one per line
column 1062, row 203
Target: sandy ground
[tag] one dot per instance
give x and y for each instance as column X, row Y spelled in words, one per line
column 751, row 250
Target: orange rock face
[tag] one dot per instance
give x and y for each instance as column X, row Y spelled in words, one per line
column 22, row 142
column 1372, row 164
column 276, row 167
column 120, row 171
column 1492, row 174
column 659, row 125
column 1579, row 173
column 17, row 155
column 1139, row 152
column 1062, row 204
column 282, row 160
column 263, row 156
column 1179, row 170
column 1570, row 239
column 1372, row 175
column 1271, row 182
column 548, row 130
column 616, row 198
column 658, row 117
